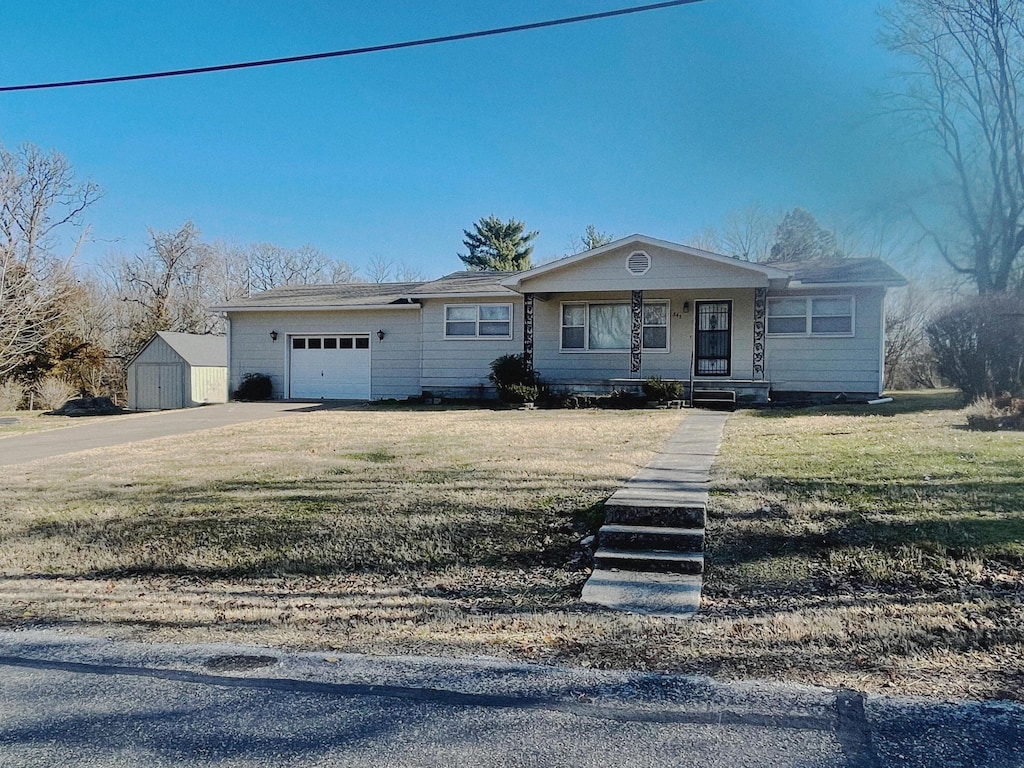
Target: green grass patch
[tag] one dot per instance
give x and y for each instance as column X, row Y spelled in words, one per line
column 891, row 497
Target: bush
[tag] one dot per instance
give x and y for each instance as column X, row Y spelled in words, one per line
column 621, row 399
column 515, row 381
column 12, row 393
column 979, row 346
column 989, row 413
column 254, row 386
column 656, row 388
column 53, row 392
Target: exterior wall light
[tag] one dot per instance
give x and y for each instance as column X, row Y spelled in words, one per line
column 273, row 335
column 686, row 307
column 380, row 335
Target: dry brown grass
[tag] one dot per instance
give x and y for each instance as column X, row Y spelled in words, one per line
column 23, row 422
column 456, row 532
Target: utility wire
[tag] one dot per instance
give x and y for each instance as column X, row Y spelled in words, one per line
column 352, row 51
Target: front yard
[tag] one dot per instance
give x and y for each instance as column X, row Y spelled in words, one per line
column 876, row 548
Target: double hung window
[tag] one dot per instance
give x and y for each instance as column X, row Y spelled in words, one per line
column 606, row 326
column 811, row 316
column 474, row 321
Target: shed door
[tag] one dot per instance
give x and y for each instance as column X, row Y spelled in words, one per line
column 330, row 367
column 158, row 386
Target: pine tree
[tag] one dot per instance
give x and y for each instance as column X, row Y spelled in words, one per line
column 494, row 245
column 799, row 237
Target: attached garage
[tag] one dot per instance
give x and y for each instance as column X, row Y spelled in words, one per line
column 178, row 370
column 329, row 366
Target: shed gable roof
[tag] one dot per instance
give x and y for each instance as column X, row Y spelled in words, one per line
column 200, row 350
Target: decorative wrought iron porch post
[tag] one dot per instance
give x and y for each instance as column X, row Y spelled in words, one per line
column 636, row 334
column 760, row 308
column 528, row 331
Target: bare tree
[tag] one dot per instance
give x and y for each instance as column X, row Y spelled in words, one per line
column 909, row 362
column 39, row 197
column 380, row 268
column 164, row 288
column 964, row 85
column 747, row 234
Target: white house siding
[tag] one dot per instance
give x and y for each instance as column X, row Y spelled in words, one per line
column 827, row 363
column 459, row 367
column 394, row 361
column 596, row 368
column 209, row 385
column 608, row 272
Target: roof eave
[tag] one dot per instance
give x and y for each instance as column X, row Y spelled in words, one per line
column 465, row 295
column 887, row 283
column 314, row 307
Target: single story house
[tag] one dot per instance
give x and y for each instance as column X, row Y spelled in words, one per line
column 600, row 320
column 178, row 370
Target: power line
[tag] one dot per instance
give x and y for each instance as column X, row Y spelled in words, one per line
column 352, row 51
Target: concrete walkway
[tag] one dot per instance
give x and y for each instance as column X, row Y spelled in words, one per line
column 84, row 433
column 673, row 486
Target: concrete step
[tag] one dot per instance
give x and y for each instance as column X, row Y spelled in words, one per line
column 647, row 537
column 664, row 516
column 655, row 594
column 649, row 561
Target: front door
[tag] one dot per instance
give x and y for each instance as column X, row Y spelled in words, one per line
column 713, row 338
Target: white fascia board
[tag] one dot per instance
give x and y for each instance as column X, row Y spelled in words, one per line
column 508, row 294
column 319, row 308
column 797, row 285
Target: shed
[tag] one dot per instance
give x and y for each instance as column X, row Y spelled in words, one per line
column 178, row 370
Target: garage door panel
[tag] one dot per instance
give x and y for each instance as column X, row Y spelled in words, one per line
column 330, row 367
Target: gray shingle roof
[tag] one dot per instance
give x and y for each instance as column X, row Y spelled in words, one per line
column 868, row 271
column 477, row 283
column 362, row 294
column 204, row 351
column 342, row 295
column 336, row 295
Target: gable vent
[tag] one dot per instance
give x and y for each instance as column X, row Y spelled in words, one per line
column 638, row 263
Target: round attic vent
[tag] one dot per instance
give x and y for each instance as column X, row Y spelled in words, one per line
column 638, row 263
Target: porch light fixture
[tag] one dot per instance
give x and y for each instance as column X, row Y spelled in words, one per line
column 273, row 335
column 380, row 335
column 686, row 307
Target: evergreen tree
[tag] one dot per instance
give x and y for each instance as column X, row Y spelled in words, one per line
column 494, row 245
column 799, row 237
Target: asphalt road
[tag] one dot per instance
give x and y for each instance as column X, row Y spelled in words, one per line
column 83, row 433
column 69, row 701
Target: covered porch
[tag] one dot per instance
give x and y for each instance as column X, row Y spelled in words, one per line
column 599, row 342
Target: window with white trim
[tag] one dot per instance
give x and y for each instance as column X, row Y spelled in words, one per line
column 810, row 316
column 605, row 326
column 476, row 321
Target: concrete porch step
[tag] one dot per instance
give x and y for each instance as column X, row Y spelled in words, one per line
column 649, row 561
column 648, row 537
column 658, row 515
column 655, row 594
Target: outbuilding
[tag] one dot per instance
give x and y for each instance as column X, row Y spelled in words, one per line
column 178, row 370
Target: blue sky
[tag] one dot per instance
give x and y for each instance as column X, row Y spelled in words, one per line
column 659, row 123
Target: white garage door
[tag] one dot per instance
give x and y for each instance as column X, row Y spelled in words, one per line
column 330, row 367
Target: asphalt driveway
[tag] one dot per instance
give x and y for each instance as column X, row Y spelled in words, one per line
column 83, row 434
